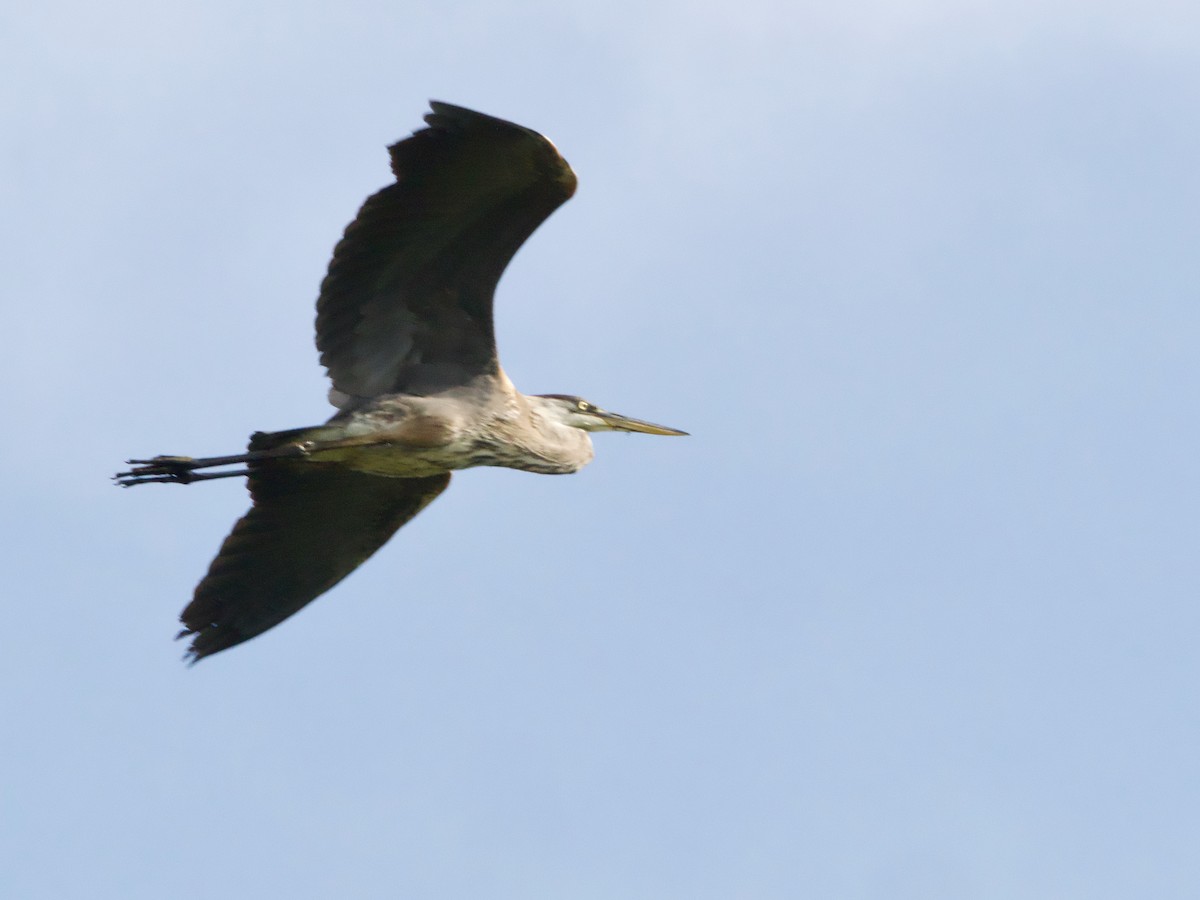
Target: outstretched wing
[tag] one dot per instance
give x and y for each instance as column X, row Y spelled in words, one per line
column 311, row 525
column 407, row 303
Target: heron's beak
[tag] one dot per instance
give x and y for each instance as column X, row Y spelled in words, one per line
column 623, row 423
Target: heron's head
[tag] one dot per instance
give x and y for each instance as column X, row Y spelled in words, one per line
column 579, row 413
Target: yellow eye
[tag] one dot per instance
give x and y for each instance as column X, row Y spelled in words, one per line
column 583, row 406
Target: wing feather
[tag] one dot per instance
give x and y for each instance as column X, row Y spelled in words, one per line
column 311, row 525
column 407, row 303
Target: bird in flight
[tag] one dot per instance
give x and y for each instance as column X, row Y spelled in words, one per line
column 404, row 327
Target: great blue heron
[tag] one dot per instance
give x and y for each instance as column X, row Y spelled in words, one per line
column 404, row 326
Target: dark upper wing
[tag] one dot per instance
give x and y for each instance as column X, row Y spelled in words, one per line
column 311, row 525
column 407, row 303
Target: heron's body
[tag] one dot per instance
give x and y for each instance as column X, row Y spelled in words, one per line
column 404, row 326
column 400, row 436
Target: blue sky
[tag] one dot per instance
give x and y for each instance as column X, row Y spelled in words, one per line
column 913, row 612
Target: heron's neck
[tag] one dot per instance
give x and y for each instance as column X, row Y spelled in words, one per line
column 566, row 448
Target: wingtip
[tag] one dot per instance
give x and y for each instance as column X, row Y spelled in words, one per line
column 190, row 656
column 205, row 642
column 443, row 115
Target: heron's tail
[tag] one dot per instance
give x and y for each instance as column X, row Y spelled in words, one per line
column 262, row 441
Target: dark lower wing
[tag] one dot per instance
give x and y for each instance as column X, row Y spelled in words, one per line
column 311, row 525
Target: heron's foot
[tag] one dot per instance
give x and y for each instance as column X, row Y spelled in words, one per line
column 169, row 470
